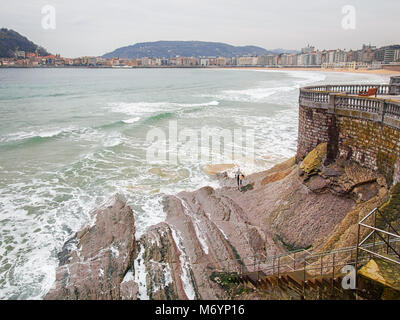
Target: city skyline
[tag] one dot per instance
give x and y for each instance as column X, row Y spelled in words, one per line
column 368, row 57
column 94, row 28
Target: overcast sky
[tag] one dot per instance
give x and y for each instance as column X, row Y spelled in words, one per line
column 89, row 27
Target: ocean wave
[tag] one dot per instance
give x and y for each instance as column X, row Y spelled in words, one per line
column 154, row 111
column 131, row 120
column 254, row 95
column 161, row 116
column 144, row 108
column 307, row 77
column 22, row 135
column 112, row 125
column 29, row 138
column 262, row 94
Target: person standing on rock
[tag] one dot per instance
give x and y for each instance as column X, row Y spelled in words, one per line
column 239, row 178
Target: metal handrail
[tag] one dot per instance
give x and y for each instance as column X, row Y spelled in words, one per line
column 327, row 262
column 312, row 256
column 390, row 251
column 379, row 230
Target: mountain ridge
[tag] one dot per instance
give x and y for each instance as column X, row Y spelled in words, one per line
column 167, row 49
column 10, row 41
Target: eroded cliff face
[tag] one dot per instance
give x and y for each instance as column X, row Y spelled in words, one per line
column 209, row 230
column 92, row 264
column 159, row 267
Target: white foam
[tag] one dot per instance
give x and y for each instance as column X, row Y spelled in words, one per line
column 258, row 94
column 22, row 135
column 140, row 275
column 128, row 277
column 308, row 77
column 153, row 213
column 166, row 279
column 263, row 92
column 197, row 222
column 114, row 251
column 131, row 120
column 138, row 109
column 185, row 266
column 36, row 237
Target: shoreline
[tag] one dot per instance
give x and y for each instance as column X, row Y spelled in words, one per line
column 316, row 69
column 340, row 70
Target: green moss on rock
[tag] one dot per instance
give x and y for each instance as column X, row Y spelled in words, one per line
column 381, row 278
column 314, row 159
column 391, row 209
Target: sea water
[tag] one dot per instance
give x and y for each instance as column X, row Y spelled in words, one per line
column 71, row 138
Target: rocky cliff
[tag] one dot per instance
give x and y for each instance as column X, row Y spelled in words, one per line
column 92, row 264
column 291, row 206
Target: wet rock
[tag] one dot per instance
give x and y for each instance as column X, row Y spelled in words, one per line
column 303, row 217
column 210, row 231
column 93, row 263
column 273, row 177
column 163, row 265
column 129, row 288
column 318, row 184
column 331, row 171
column 201, row 243
column 366, row 192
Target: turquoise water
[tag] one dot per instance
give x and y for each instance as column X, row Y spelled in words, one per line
column 69, row 139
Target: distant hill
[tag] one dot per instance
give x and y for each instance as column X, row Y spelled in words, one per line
column 10, row 41
column 280, row 50
column 161, row 49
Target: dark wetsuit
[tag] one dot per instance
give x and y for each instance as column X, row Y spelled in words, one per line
column 239, row 182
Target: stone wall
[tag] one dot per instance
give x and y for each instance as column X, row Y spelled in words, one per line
column 350, row 136
column 313, row 130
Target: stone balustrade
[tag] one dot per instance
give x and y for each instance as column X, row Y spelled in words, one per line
column 379, row 109
column 363, row 129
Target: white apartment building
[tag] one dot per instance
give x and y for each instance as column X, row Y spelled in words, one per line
column 247, row 61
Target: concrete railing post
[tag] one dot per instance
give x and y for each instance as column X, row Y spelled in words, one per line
column 331, row 103
column 383, row 107
column 394, row 89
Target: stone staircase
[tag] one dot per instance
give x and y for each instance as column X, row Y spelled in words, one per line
column 303, row 274
column 296, row 285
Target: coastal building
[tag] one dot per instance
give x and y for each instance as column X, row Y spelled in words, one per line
column 397, row 55
column 173, row 61
column 146, row 62
column 390, row 54
column 221, row 61
column 204, row 62
column 49, row 60
column 340, row 56
column 77, row 61
column 308, row 49
column 303, row 59
column 368, row 56
column 20, row 54
column 247, row 61
column 331, row 56
column 189, row 61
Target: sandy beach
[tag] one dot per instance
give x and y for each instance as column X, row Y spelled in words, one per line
column 366, row 71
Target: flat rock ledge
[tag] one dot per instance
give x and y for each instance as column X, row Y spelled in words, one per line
column 92, row 264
